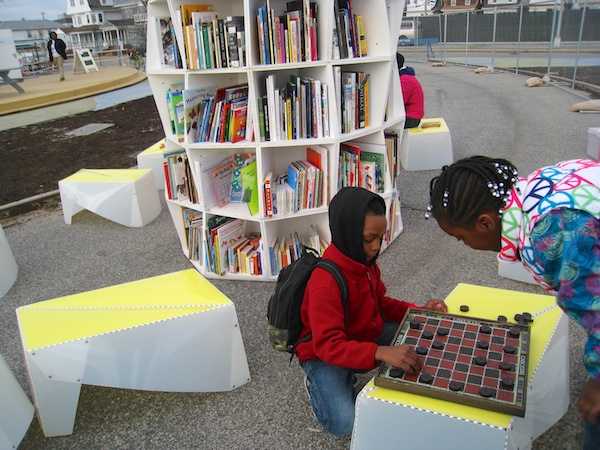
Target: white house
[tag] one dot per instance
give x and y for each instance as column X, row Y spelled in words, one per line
column 98, row 24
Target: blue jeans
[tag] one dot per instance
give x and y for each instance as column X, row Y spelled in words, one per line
column 591, row 435
column 331, row 392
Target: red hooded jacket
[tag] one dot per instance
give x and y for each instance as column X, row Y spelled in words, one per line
column 412, row 92
column 346, row 336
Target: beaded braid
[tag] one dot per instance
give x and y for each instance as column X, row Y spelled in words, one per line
column 468, row 188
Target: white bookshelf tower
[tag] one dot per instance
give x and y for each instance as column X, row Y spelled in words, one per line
column 381, row 21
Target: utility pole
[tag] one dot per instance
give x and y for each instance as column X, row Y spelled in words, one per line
column 43, row 15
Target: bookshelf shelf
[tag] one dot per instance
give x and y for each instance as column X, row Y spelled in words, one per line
column 288, row 108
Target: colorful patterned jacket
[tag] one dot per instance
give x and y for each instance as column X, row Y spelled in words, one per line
column 551, row 223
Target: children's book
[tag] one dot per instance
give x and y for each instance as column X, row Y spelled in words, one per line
column 250, row 183
column 237, row 187
column 222, row 177
column 193, row 102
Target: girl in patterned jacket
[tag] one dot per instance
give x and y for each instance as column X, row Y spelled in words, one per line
column 550, row 221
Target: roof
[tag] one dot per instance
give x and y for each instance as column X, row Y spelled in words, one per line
column 25, row 25
column 118, row 23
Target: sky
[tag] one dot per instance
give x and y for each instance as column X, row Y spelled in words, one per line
column 31, row 9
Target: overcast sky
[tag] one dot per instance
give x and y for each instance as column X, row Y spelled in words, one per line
column 31, row 9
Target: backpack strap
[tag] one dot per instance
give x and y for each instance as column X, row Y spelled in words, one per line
column 337, row 273
column 335, row 270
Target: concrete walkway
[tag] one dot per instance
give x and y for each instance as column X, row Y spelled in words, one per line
column 489, row 114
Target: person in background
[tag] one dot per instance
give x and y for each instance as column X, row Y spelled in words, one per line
column 355, row 337
column 412, row 93
column 550, row 222
column 57, row 50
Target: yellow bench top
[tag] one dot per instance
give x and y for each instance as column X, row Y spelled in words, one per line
column 159, row 147
column 106, row 175
column 486, row 303
column 117, row 307
column 443, row 128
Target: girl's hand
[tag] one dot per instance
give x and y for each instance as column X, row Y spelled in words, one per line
column 589, row 402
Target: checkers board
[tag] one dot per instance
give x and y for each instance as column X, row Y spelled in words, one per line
column 466, row 360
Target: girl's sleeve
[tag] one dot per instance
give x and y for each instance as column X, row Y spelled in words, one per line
column 566, row 244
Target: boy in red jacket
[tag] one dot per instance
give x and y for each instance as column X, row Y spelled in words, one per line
column 354, row 337
column 412, row 93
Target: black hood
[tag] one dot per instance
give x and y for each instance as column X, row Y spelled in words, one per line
column 347, row 212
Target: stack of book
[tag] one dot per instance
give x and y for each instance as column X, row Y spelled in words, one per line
column 352, row 90
column 179, row 182
column 210, row 42
column 284, row 250
column 297, row 110
column 349, row 40
column 192, row 222
column 229, row 249
column 362, row 165
column 209, row 114
column 228, row 179
column 288, row 38
column 303, row 186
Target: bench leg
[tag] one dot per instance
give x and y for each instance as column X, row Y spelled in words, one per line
column 55, row 401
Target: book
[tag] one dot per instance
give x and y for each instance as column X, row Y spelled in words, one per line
column 268, row 196
column 193, row 101
column 227, row 235
column 239, row 110
column 189, row 32
column 233, row 254
column 233, row 25
column 167, row 41
column 250, row 184
column 176, row 112
column 222, row 177
column 375, row 155
column 317, row 156
column 237, row 187
column 362, row 40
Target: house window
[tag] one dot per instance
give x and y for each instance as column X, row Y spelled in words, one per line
column 81, row 2
column 100, row 17
column 78, row 20
column 467, row 2
column 72, row 3
column 452, row 2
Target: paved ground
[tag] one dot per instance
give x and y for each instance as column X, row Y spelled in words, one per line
column 490, row 114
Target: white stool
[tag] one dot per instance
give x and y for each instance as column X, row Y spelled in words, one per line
column 515, row 271
column 16, row 411
column 8, row 266
column 153, row 158
column 171, row 333
column 384, row 416
column 593, row 149
column 426, row 148
column 125, row 196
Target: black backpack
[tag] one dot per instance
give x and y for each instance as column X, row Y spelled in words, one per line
column 283, row 312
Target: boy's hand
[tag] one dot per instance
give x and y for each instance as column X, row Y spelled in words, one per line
column 436, row 305
column 589, row 402
column 401, row 356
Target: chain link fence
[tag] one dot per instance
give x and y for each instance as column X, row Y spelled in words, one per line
column 545, row 40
